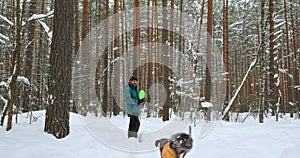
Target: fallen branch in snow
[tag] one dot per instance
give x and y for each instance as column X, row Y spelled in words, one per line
column 229, row 106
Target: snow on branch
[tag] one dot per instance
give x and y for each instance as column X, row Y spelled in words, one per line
column 46, row 28
column 4, row 37
column 6, row 20
column 5, row 105
column 40, row 16
column 279, row 25
column 2, row 41
column 285, row 72
column 4, row 84
column 23, row 79
column 20, row 79
column 206, row 104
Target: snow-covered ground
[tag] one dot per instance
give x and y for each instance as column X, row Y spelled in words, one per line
column 215, row 140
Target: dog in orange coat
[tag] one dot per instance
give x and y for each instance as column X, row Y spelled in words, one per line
column 179, row 144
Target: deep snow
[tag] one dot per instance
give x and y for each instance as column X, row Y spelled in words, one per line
column 211, row 140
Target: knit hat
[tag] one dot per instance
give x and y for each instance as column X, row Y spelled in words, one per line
column 133, row 78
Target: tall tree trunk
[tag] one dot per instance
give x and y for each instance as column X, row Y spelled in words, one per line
column 40, row 55
column 171, row 56
column 166, row 60
column 60, row 73
column 27, row 105
column 296, row 93
column 85, row 84
column 226, row 53
column 116, row 68
column 16, row 65
column 104, row 104
column 289, row 95
column 99, row 68
column 271, row 94
column 76, row 94
column 150, row 30
column 136, row 36
column 262, row 62
column 123, row 36
column 208, row 82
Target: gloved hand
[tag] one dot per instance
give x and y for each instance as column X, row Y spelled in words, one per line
column 141, row 101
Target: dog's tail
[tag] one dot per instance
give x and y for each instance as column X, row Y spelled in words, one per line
column 157, row 142
column 161, row 143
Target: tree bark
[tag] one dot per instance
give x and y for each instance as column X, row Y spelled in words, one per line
column 105, row 103
column 16, row 66
column 27, row 105
column 296, row 93
column 262, row 63
column 85, row 79
column 136, row 36
column 271, row 94
column 76, row 94
column 208, row 81
column 60, row 73
column 226, row 53
column 289, row 95
column 116, row 68
column 165, row 57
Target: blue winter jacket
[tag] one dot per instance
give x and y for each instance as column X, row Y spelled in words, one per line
column 131, row 97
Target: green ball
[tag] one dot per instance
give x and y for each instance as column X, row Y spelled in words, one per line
column 142, row 94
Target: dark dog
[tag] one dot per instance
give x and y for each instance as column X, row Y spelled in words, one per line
column 179, row 144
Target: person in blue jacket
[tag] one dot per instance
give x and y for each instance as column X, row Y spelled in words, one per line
column 132, row 102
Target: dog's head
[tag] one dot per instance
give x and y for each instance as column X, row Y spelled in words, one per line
column 182, row 142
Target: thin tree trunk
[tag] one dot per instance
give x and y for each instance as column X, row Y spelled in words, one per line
column 289, row 95
column 85, row 84
column 180, row 47
column 296, row 93
column 136, row 36
column 271, row 95
column 208, row 82
column 262, row 63
column 16, row 66
column 76, row 73
column 40, row 55
column 150, row 54
column 29, row 59
column 166, row 60
column 226, row 53
column 116, row 69
column 200, row 25
column 104, row 104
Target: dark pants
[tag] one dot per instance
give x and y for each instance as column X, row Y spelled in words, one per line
column 134, row 126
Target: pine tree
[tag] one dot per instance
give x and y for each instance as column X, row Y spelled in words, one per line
column 57, row 111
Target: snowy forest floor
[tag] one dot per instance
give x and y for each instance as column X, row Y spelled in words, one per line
column 224, row 140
